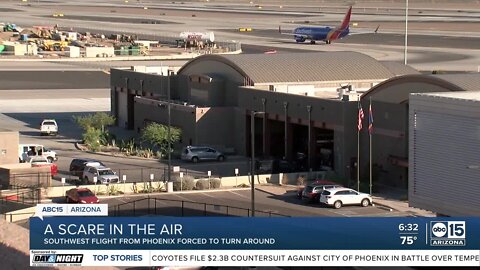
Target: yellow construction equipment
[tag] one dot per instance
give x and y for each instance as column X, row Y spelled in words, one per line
column 53, row 45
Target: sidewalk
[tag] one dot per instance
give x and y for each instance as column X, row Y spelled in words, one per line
column 378, row 199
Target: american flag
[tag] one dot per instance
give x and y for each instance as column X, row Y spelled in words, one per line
column 370, row 119
column 360, row 116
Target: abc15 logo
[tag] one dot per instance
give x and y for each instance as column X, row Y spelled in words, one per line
column 448, row 229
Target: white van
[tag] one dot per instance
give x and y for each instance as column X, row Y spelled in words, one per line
column 27, row 150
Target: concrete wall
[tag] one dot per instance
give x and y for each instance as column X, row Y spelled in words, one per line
column 21, row 214
column 215, row 127
column 9, row 141
column 182, row 117
column 72, row 51
column 21, row 49
column 143, row 84
column 127, row 188
column 99, row 52
column 389, row 140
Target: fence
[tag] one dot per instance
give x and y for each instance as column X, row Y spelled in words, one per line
column 138, row 175
column 168, row 207
column 29, row 180
column 21, row 196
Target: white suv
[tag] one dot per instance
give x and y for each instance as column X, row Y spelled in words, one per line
column 104, row 175
column 337, row 197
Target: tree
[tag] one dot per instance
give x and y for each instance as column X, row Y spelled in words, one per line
column 98, row 120
column 102, row 119
column 157, row 135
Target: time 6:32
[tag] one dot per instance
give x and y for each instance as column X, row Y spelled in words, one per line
column 408, row 227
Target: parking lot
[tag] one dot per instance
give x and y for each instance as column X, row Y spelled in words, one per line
column 214, row 203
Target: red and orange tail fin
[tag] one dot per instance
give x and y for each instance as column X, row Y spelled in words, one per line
column 346, row 20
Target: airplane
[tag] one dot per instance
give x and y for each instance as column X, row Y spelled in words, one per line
column 326, row 34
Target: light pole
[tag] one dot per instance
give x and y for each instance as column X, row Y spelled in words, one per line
column 169, row 179
column 406, row 31
column 252, row 163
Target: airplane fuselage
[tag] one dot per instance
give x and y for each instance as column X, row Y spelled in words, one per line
column 313, row 34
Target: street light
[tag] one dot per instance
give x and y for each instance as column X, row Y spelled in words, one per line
column 169, row 179
column 406, row 31
column 252, row 163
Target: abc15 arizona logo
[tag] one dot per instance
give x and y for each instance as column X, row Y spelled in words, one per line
column 447, row 233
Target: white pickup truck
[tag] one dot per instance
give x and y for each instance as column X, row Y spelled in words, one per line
column 49, row 127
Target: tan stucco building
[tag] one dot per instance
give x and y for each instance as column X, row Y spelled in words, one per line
column 8, row 146
column 307, row 101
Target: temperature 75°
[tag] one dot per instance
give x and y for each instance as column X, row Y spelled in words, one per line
column 408, row 239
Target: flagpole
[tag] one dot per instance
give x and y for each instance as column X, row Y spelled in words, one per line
column 358, row 160
column 358, row 147
column 370, row 129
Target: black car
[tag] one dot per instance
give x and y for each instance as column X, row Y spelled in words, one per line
column 78, row 165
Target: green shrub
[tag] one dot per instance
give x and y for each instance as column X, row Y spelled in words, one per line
column 146, row 188
column 187, row 183
column 159, row 187
column 202, row 184
column 215, row 183
column 114, row 190
column 92, row 138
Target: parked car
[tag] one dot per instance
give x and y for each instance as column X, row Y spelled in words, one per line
column 80, row 195
column 28, row 150
column 197, row 153
column 337, row 197
column 103, row 174
column 316, row 182
column 311, row 193
column 40, row 161
column 48, row 127
column 77, row 166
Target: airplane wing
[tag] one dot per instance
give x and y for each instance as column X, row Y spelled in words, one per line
column 355, row 32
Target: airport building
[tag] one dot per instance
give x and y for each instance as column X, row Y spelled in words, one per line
column 444, row 152
column 300, row 103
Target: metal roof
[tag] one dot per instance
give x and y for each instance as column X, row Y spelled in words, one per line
column 467, row 81
column 399, row 68
column 466, row 95
column 387, row 92
column 303, row 67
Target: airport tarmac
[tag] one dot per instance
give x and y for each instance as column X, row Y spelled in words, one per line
column 452, row 48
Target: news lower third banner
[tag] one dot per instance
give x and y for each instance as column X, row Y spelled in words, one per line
column 236, row 241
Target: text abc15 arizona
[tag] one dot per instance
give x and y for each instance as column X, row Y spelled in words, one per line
column 447, row 233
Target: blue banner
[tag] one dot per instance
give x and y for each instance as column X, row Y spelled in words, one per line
column 234, row 233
